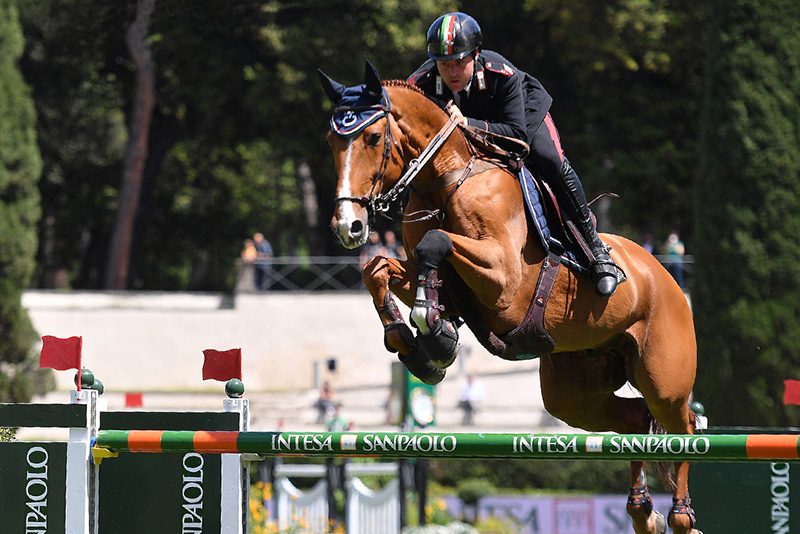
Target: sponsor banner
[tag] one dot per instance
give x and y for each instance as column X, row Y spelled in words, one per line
column 591, row 514
column 430, row 445
column 166, row 493
column 33, row 480
column 756, row 497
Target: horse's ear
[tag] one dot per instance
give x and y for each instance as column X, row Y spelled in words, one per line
column 372, row 79
column 333, row 89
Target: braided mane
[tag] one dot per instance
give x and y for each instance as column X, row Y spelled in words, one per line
column 402, row 83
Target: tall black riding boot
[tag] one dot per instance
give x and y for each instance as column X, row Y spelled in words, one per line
column 571, row 196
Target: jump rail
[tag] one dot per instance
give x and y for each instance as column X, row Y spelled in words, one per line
column 697, row 448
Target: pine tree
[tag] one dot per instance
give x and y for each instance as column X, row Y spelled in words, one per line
column 20, row 167
column 746, row 293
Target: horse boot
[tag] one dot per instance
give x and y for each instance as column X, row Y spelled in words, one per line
column 396, row 333
column 640, row 509
column 681, row 517
column 570, row 194
column 438, row 336
column 419, row 364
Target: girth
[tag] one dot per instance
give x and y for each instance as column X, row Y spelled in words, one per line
column 530, row 339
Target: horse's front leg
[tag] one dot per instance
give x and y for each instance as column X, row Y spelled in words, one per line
column 490, row 267
column 438, row 335
column 382, row 276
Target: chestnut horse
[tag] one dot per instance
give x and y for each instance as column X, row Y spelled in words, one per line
column 471, row 254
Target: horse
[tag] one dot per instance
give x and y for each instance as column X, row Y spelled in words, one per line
column 472, row 257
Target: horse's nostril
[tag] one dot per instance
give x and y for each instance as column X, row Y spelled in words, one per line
column 356, row 228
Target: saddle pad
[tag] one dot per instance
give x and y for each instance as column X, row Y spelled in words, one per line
column 570, row 255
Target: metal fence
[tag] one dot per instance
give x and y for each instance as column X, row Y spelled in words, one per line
column 302, row 273
column 343, row 273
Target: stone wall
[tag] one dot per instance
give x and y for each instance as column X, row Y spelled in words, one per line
column 153, row 341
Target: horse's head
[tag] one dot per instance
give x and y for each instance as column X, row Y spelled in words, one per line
column 366, row 155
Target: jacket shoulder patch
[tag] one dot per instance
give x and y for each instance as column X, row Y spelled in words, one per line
column 500, row 68
column 420, row 78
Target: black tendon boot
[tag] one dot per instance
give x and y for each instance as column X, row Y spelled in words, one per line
column 571, row 196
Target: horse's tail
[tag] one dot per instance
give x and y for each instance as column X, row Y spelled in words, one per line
column 663, row 470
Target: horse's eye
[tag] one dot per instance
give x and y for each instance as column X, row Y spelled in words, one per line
column 374, row 139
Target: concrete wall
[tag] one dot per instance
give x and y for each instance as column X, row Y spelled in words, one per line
column 152, row 341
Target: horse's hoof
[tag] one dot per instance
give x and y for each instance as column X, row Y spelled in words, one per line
column 419, row 365
column 661, row 523
column 441, row 346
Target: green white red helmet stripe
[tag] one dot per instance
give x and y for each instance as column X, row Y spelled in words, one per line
column 446, row 34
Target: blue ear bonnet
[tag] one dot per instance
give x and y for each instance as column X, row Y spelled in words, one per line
column 350, row 122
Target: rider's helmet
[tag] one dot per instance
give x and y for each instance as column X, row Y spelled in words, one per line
column 453, row 36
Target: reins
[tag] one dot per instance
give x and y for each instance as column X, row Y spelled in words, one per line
column 384, row 201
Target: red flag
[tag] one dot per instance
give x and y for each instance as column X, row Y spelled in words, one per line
column 791, row 394
column 61, row 354
column 134, row 400
column 222, row 364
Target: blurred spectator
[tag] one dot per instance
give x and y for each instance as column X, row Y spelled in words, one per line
column 337, row 422
column 326, row 403
column 246, row 277
column 264, row 255
column 470, row 400
column 249, row 251
column 393, row 248
column 674, row 250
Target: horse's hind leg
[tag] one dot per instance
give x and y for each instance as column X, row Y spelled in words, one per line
column 665, row 374
column 640, row 504
column 579, row 389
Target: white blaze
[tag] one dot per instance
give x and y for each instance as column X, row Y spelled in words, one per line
column 347, row 215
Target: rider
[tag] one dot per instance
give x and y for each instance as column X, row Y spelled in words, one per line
column 488, row 92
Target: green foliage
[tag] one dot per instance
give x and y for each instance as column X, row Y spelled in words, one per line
column 747, row 298
column 626, row 78
column 237, row 140
column 20, row 166
column 470, row 490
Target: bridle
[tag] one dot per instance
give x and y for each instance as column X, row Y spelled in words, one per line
column 375, row 201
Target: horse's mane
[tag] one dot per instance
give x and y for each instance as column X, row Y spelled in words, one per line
column 402, row 83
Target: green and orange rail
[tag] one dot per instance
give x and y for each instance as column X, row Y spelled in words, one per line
column 701, row 447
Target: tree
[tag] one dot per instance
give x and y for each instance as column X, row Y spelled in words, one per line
column 119, row 257
column 626, row 78
column 746, row 295
column 20, row 165
column 236, row 144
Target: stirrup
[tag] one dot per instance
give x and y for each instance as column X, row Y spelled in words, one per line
column 604, row 272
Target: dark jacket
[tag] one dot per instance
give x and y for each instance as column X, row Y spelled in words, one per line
column 509, row 102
